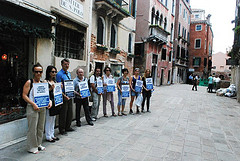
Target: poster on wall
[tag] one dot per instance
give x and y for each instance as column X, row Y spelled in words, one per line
column 57, row 91
column 41, row 94
column 149, row 83
column 110, row 85
column 69, row 88
column 84, row 90
column 138, row 86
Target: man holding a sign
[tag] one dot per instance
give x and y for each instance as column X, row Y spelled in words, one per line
column 147, row 89
column 109, row 88
column 35, row 114
column 81, row 96
column 65, row 116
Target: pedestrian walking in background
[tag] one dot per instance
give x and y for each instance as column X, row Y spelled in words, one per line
column 195, row 81
column 210, row 83
column 134, row 94
column 123, row 80
column 107, row 96
column 190, row 78
column 65, row 115
column 146, row 92
column 79, row 100
column 54, row 110
column 96, row 96
column 217, row 80
column 35, row 115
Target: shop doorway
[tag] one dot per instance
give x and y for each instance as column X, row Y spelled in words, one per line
column 14, row 65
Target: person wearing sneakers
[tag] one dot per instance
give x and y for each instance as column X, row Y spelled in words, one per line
column 134, row 94
column 124, row 80
column 146, row 93
column 107, row 96
column 35, row 115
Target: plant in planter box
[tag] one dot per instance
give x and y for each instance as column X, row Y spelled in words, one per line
column 115, row 51
column 101, row 47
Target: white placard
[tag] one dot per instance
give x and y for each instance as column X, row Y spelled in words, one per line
column 57, row 92
column 110, row 85
column 149, row 83
column 84, row 90
column 41, row 94
column 69, row 88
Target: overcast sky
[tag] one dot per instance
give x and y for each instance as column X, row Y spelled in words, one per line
column 223, row 12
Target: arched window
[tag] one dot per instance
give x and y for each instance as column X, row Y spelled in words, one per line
column 100, row 30
column 161, row 20
column 153, row 15
column 165, row 23
column 129, row 43
column 157, row 18
column 113, row 41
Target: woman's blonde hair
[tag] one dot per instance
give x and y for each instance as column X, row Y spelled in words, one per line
column 146, row 72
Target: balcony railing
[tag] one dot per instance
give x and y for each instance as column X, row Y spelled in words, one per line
column 114, row 8
column 158, row 33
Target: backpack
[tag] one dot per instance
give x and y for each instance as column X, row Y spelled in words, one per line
column 22, row 102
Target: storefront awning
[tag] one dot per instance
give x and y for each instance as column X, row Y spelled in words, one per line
column 24, row 22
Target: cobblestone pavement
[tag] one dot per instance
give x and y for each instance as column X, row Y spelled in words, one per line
column 184, row 125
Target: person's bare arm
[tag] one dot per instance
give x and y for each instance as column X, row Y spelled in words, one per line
column 26, row 89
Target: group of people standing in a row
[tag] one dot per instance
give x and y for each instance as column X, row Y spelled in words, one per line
column 44, row 118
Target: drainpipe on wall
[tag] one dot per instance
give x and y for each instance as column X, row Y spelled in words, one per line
column 89, row 38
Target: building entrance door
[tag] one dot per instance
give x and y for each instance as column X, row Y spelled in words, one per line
column 162, row 76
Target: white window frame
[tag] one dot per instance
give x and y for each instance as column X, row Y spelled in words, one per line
column 197, row 27
column 195, row 43
column 104, row 30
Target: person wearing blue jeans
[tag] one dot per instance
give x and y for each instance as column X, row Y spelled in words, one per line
column 124, row 80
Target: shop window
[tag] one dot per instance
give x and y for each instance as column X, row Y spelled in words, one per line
column 69, row 43
column 164, row 54
column 113, row 41
column 14, row 61
column 196, row 62
column 116, row 71
column 130, row 43
column 197, row 43
column 100, row 30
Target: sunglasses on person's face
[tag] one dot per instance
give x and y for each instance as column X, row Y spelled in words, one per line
column 107, row 70
column 38, row 72
column 53, row 71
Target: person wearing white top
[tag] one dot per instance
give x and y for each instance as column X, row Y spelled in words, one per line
column 96, row 96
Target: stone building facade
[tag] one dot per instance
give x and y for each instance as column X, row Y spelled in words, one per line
column 181, row 41
column 154, row 39
column 201, row 43
column 113, row 35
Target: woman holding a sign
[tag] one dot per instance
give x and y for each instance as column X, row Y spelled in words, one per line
column 54, row 110
column 147, row 89
column 123, row 91
column 37, row 99
column 136, row 88
column 109, row 88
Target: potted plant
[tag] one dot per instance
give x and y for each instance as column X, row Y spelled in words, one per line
column 115, row 51
column 101, row 47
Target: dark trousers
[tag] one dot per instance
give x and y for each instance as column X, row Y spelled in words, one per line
column 194, row 86
column 210, row 88
column 65, row 116
column 146, row 95
column 84, row 103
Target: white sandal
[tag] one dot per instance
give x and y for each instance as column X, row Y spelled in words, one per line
column 33, row 150
column 42, row 148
